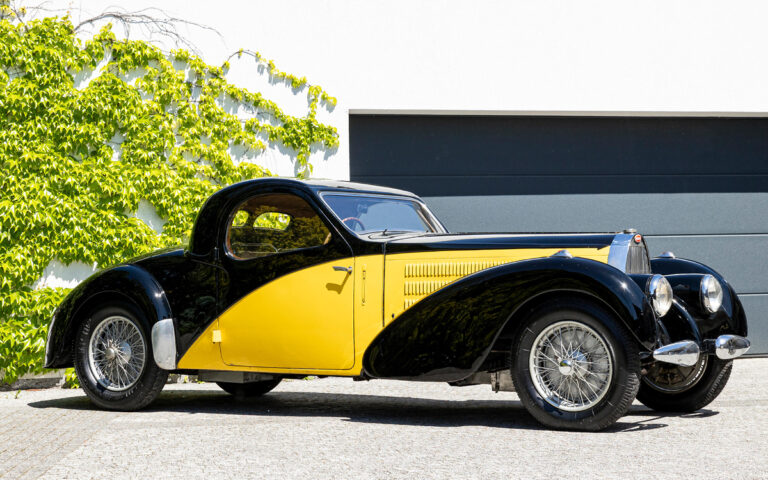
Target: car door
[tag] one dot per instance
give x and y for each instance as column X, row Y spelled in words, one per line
column 287, row 296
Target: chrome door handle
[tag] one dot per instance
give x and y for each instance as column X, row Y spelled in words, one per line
column 342, row 269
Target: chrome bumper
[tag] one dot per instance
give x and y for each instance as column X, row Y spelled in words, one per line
column 687, row 352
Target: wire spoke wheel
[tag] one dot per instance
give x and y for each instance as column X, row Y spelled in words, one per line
column 668, row 378
column 571, row 366
column 117, row 353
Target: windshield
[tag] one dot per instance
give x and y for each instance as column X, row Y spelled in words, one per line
column 372, row 213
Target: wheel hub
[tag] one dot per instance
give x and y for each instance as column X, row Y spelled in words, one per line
column 571, row 363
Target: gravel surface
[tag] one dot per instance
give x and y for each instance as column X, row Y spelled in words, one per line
column 337, row 428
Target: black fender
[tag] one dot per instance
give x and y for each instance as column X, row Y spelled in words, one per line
column 447, row 335
column 730, row 319
column 125, row 282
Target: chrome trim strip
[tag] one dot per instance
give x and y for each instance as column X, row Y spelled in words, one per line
column 619, row 251
column 685, row 353
column 731, row 346
column 164, row 344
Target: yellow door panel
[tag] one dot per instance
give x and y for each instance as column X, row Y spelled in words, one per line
column 409, row 277
column 369, row 301
column 300, row 320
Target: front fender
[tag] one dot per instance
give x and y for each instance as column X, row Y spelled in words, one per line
column 730, row 318
column 129, row 282
column 447, row 335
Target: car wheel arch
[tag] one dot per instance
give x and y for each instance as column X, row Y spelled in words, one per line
column 126, row 284
column 516, row 322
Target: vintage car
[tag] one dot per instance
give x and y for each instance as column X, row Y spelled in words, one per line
column 285, row 279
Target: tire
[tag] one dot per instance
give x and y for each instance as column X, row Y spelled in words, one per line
column 593, row 345
column 250, row 389
column 683, row 398
column 140, row 380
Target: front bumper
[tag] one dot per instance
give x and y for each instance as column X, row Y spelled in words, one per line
column 687, row 352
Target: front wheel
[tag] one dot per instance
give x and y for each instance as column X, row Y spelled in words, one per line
column 575, row 366
column 672, row 388
column 113, row 359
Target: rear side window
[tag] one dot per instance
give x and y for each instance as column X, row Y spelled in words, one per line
column 274, row 223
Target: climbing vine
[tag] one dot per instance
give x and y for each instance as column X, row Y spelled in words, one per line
column 77, row 157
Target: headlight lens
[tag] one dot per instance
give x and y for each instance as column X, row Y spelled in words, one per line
column 660, row 292
column 711, row 293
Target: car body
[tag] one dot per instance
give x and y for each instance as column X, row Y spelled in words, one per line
column 283, row 278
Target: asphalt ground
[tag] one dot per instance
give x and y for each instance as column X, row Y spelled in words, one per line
column 339, row 429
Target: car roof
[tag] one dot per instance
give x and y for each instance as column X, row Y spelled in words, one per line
column 324, row 185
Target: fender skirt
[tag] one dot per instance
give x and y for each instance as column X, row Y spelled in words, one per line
column 447, row 335
column 132, row 283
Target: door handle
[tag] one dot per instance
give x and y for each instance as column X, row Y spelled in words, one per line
column 342, row 269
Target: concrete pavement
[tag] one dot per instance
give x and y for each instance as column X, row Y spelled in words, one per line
column 337, row 428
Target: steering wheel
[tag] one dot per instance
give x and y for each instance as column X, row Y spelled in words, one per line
column 353, row 220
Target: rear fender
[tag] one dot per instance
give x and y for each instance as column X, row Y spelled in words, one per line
column 127, row 283
column 447, row 335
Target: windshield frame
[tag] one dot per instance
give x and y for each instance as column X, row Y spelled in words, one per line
column 431, row 219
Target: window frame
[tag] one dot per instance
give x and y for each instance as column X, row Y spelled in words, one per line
column 440, row 228
column 228, row 225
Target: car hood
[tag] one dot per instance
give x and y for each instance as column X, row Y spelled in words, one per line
column 482, row 241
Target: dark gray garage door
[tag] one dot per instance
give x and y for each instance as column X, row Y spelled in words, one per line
column 696, row 186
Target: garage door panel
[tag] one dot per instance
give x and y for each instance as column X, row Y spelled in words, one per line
column 756, row 306
column 468, row 146
column 677, row 213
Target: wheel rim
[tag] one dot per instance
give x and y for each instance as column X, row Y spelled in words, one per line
column 117, row 353
column 669, row 378
column 571, row 366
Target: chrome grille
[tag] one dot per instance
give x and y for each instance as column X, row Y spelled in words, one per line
column 637, row 259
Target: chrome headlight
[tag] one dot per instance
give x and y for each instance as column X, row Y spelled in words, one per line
column 711, row 293
column 660, row 292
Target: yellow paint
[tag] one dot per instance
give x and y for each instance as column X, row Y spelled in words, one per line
column 412, row 276
column 369, row 302
column 300, row 320
column 319, row 321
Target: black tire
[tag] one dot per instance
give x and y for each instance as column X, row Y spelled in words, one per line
column 150, row 380
column 694, row 397
column 250, row 389
column 622, row 350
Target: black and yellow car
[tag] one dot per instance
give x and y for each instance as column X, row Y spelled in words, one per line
column 285, row 278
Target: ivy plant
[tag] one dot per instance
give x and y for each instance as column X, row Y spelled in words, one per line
column 76, row 159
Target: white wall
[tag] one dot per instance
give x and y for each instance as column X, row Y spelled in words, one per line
column 495, row 55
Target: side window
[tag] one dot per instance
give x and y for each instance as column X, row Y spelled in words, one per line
column 273, row 223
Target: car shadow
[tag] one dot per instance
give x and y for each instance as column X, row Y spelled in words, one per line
column 382, row 409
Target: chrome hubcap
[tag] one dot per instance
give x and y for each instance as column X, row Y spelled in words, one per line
column 570, row 366
column 117, row 353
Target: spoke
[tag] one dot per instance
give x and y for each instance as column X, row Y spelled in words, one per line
column 549, row 358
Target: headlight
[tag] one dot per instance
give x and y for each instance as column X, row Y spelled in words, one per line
column 660, row 292
column 711, row 293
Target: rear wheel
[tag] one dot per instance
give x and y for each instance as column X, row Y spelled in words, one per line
column 672, row 388
column 575, row 366
column 113, row 359
column 250, row 389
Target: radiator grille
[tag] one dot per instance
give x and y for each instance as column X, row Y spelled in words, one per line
column 637, row 259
